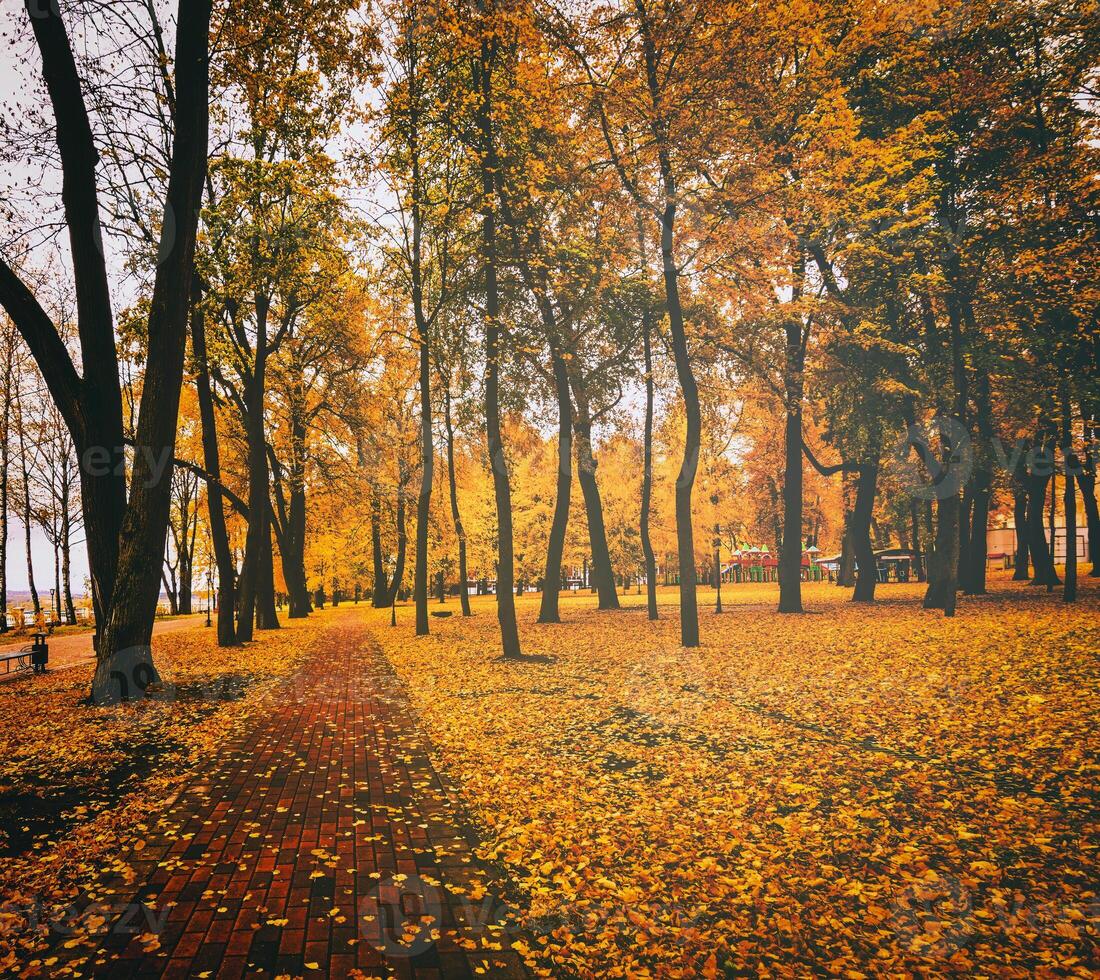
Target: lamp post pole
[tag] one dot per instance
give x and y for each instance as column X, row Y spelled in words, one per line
column 717, row 558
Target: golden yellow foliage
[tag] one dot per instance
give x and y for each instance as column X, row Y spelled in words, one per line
column 878, row 790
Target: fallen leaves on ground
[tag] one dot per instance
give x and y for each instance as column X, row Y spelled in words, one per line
column 868, row 791
column 81, row 786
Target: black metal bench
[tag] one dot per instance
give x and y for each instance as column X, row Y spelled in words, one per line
column 21, row 659
column 34, row 657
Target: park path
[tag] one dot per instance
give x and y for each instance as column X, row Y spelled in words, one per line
column 319, row 842
column 76, row 648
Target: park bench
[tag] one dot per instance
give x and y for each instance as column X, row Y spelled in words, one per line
column 17, row 660
column 33, row 657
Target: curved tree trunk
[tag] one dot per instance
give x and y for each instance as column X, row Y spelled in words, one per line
column 685, row 480
column 1041, row 561
column 603, row 574
column 502, row 491
column 555, row 546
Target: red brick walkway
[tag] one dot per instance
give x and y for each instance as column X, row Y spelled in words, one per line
column 320, row 843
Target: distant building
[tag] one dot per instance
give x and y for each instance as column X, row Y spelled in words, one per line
column 1002, row 541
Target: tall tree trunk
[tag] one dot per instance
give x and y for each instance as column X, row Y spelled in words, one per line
column 456, row 517
column 289, row 521
column 603, row 574
column 1019, row 514
column 258, row 490
column 427, row 469
column 685, row 480
column 55, row 611
column 790, row 555
column 5, row 463
column 394, row 587
column 1052, row 527
column 977, row 552
column 555, row 546
column 1069, row 499
column 647, row 470
column 914, row 526
column 966, row 509
column 219, row 534
column 1086, row 480
column 26, row 502
column 862, row 512
column 1041, row 562
column 943, row 586
column 506, row 607
column 125, row 643
column 186, row 551
column 266, row 615
column 846, row 566
column 381, row 583
column 170, row 592
column 66, row 560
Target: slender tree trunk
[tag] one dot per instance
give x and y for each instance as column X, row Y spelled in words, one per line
column 603, row 574
column 186, row 550
column 5, row 463
column 1019, row 513
column 66, row 560
column 966, row 509
column 170, row 592
column 456, row 517
column 555, row 546
column 1069, row 499
column 685, row 481
column 1051, row 515
column 290, row 529
column 55, row 611
column 381, row 583
column 981, row 492
column 647, row 470
column 790, row 554
column 427, row 469
column 506, row 608
column 862, row 512
column 394, row 588
column 26, row 502
column 914, row 524
column 219, row 534
column 1086, row 480
column 254, row 389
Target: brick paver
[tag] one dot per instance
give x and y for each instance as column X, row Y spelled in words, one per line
column 320, row 842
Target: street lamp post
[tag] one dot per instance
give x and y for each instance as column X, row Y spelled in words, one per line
column 717, row 559
column 209, row 596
